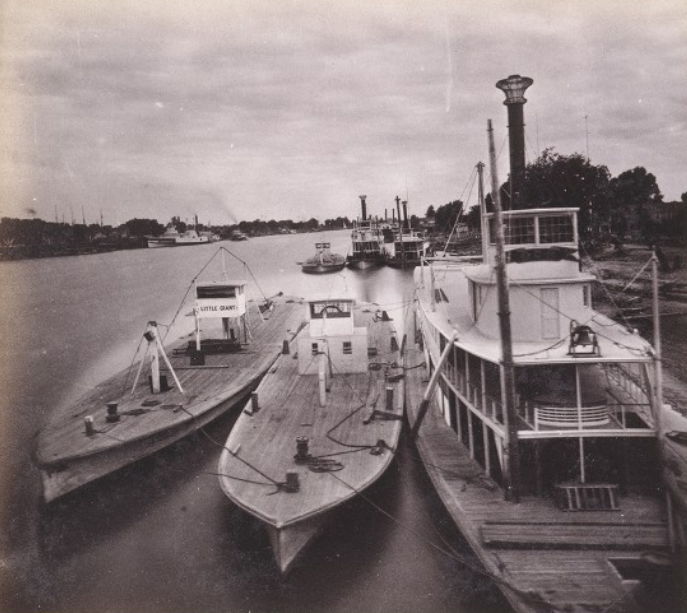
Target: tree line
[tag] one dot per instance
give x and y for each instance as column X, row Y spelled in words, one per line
column 611, row 209
column 32, row 238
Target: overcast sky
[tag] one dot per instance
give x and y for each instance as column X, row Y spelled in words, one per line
column 244, row 109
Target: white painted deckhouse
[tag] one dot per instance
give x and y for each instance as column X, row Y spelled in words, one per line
column 584, row 403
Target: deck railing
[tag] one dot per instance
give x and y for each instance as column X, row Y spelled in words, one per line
column 571, row 417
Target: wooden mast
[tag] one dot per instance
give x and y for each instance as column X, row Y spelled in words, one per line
column 511, row 454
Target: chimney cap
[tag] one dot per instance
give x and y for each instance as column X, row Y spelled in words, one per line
column 514, row 87
column 362, row 197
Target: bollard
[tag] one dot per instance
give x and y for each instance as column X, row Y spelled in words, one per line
column 285, row 348
column 302, row 452
column 254, row 404
column 88, row 423
column 112, row 415
column 292, row 483
column 390, row 398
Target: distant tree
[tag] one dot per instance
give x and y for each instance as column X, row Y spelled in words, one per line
column 472, row 218
column 446, row 215
column 683, row 198
column 635, row 187
column 630, row 193
column 430, row 211
column 555, row 180
column 143, row 227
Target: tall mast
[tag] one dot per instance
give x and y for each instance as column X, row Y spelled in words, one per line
column 511, row 454
column 484, row 226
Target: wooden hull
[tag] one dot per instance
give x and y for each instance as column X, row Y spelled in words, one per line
column 364, row 264
column 60, row 479
column 542, row 558
column 260, row 452
column 156, row 244
column 318, row 269
column 289, row 541
column 68, row 458
column 407, row 264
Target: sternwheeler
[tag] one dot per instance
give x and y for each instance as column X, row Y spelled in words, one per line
column 409, row 245
column 539, row 419
column 367, row 241
column 322, row 426
column 170, row 391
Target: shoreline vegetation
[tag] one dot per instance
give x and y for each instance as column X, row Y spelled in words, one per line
column 22, row 239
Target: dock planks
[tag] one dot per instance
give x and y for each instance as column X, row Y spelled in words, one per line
column 69, row 458
column 561, row 561
column 262, row 445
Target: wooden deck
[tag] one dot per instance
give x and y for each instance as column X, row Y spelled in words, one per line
column 68, row 457
column 262, row 445
column 543, row 558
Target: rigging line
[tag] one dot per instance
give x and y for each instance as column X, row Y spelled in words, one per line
column 247, row 268
column 352, row 413
column 463, row 208
column 235, row 478
column 603, row 285
column 447, row 552
column 222, row 446
column 125, row 384
column 469, row 183
column 633, row 350
column 636, row 276
column 188, row 289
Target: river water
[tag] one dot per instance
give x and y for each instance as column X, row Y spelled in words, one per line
column 160, row 536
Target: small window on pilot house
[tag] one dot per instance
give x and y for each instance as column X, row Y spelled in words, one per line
column 315, row 349
column 586, row 298
column 347, row 348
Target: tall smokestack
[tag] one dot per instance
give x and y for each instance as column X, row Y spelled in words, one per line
column 514, row 87
column 405, row 214
column 363, row 206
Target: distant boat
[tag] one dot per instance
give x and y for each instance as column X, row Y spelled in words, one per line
column 367, row 242
column 236, row 235
column 323, row 261
column 173, row 238
column 176, row 389
column 408, row 246
column 322, row 426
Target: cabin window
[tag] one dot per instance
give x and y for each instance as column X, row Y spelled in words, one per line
column 550, row 324
column 586, row 297
column 332, row 308
column 516, row 230
column 558, row 229
column 217, row 291
column 315, row 349
column 347, row 347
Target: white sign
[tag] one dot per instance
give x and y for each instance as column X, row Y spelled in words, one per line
column 216, row 308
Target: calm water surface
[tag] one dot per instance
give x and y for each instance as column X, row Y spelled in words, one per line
column 160, row 536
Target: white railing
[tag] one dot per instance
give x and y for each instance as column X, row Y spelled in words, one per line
column 571, row 417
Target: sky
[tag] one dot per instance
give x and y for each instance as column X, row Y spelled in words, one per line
column 243, row 109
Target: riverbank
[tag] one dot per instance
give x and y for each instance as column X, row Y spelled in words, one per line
column 625, row 293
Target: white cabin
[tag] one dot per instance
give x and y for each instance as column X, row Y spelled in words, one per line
column 546, row 287
column 332, row 333
column 225, row 300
